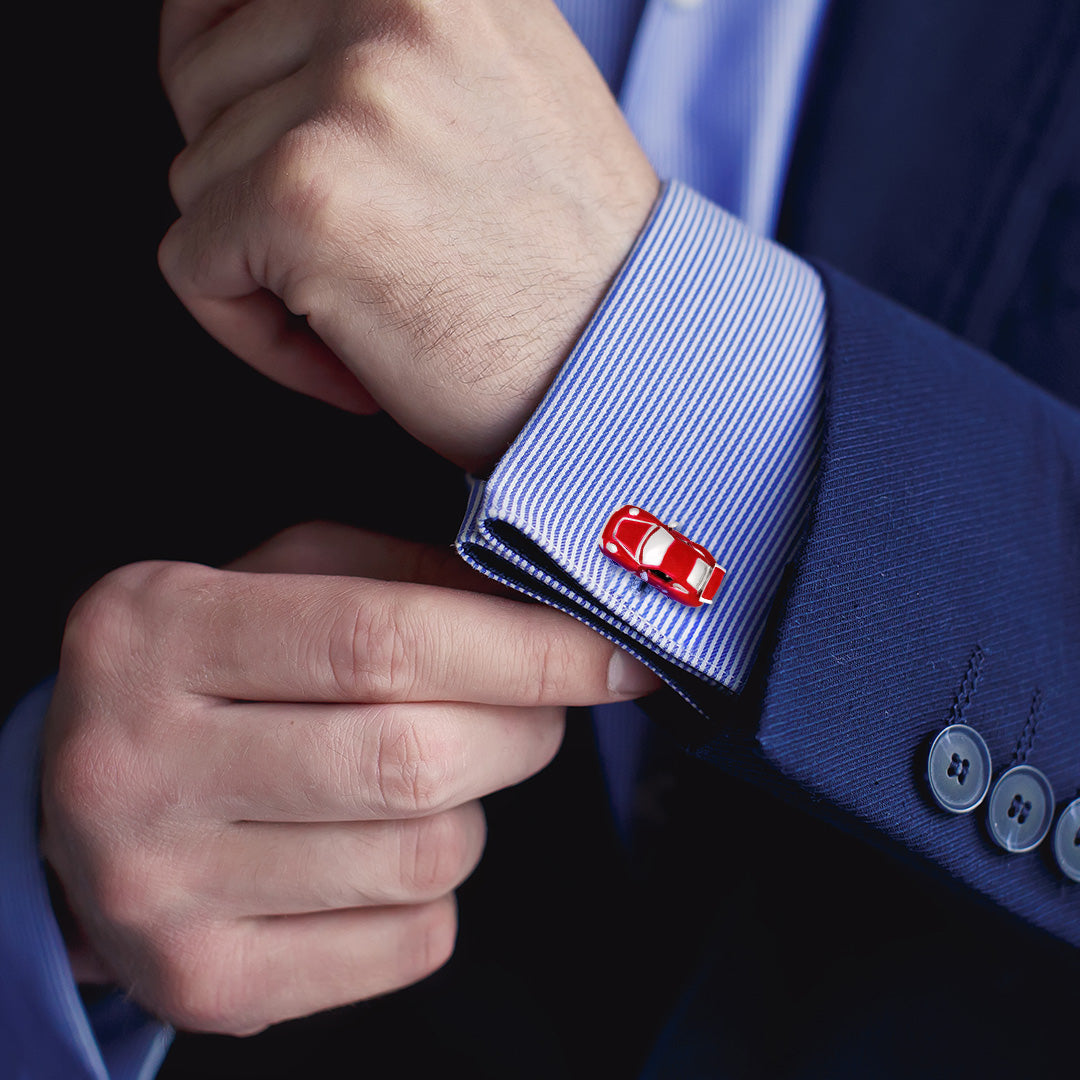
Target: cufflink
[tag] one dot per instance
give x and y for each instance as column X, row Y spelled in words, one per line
column 660, row 556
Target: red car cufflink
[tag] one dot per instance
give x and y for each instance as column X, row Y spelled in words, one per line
column 663, row 558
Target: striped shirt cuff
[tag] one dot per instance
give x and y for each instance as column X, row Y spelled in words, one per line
column 695, row 393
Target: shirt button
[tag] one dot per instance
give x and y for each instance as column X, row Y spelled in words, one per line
column 1067, row 841
column 1021, row 808
column 958, row 768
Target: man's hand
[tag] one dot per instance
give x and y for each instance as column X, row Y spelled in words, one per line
column 444, row 190
column 260, row 788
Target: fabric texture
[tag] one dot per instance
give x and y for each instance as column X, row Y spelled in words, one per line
column 937, row 578
column 696, row 394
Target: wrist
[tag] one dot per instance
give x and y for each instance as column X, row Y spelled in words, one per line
column 505, row 390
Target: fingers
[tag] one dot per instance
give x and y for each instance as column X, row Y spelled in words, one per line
column 237, row 80
column 238, row 136
column 255, row 325
column 208, row 65
column 360, row 763
column 285, row 869
column 216, row 262
column 312, row 962
column 278, row 637
column 239, row 978
column 301, row 638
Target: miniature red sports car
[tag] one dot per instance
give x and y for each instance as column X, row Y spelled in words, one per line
column 660, row 556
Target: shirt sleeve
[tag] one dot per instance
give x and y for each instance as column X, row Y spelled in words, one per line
column 939, row 552
column 696, row 394
column 47, row 1031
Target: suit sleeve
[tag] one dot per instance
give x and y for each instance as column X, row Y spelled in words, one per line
column 920, row 500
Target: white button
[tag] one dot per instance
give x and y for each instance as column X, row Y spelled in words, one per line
column 959, row 769
column 1067, row 841
column 1021, row 809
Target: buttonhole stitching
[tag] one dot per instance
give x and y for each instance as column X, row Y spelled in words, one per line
column 1026, row 742
column 967, row 685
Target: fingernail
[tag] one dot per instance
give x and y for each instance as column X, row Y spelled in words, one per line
column 627, row 677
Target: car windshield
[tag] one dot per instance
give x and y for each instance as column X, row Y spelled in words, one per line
column 655, row 548
column 698, row 576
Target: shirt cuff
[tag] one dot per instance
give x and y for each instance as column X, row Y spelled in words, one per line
column 696, row 394
column 50, row 1033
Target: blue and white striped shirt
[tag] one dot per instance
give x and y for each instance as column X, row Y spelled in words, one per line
column 696, row 391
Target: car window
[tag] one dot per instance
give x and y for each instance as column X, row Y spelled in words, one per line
column 656, row 547
column 697, row 577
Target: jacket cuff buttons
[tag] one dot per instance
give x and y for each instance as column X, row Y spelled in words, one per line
column 1020, row 809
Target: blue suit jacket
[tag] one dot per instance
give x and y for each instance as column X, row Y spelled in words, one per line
column 938, row 164
column 941, row 166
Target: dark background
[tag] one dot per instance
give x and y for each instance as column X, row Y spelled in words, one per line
column 130, row 433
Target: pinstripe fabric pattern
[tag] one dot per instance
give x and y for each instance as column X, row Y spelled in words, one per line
column 696, row 393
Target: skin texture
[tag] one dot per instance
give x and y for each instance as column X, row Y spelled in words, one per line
column 261, row 785
column 442, row 191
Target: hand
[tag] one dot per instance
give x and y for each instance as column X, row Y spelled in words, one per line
column 444, row 190
column 260, row 789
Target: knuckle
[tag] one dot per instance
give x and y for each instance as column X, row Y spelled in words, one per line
column 183, row 78
column 161, row 584
column 436, row 855
column 358, row 85
column 129, row 617
column 174, row 66
column 370, row 655
column 170, row 254
column 431, row 943
column 382, row 49
column 86, row 781
column 117, row 660
column 413, row 768
column 103, row 619
column 550, row 659
column 181, row 179
column 297, row 179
